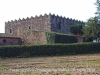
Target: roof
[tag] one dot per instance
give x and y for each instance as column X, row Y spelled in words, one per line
column 3, row 35
column 65, row 34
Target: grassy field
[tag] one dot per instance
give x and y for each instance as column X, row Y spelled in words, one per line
column 59, row 65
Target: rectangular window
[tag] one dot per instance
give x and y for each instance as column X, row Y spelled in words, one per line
column 10, row 30
column 59, row 25
column 29, row 27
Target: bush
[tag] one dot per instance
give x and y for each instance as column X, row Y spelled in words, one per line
column 65, row 39
column 53, row 38
column 49, row 50
column 50, row 37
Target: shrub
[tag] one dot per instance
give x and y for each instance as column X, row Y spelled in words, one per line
column 65, row 39
column 53, row 38
column 49, row 50
column 50, row 37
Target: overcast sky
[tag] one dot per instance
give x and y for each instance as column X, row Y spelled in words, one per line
column 15, row 9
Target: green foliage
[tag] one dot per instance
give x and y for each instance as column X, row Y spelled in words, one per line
column 65, row 39
column 68, row 73
column 97, row 3
column 50, row 37
column 3, row 65
column 76, row 29
column 53, row 38
column 90, row 30
column 49, row 50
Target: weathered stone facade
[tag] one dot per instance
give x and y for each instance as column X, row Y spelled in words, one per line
column 42, row 23
column 31, row 30
column 6, row 39
column 62, row 24
column 9, row 41
column 31, row 37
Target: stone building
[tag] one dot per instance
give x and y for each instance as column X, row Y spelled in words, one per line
column 49, row 23
column 9, row 40
column 31, row 30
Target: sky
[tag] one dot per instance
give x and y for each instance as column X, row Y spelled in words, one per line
column 15, row 9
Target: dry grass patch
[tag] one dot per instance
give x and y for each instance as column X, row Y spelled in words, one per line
column 61, row 65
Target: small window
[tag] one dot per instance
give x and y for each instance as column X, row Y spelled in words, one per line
column 29, row 27
column 59, row 25
column 10, row 30
column 4, row 40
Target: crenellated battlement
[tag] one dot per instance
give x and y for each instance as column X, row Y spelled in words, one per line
column 53, row 16
column 46, row 23
column 28, row 18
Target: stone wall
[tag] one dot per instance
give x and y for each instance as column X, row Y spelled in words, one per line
column 10, row 41
column 31, row 37
column 80, row 39
column 45, row 23
column 41, row 23
column 62, row 24
column 31, row 30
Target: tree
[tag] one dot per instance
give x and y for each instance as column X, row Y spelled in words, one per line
column 97, row 3
column 76, row 30
column 90, row 30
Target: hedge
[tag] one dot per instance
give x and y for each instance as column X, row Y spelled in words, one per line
column 53, row 38
column 65, row 39
column 49, row 50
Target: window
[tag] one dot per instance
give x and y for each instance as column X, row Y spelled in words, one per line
column 4, row 40
column 59, row 25
column 29, row 27
column 10, row 30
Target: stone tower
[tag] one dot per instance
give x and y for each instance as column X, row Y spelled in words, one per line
column 45, row 23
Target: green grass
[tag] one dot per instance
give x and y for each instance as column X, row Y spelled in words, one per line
column 3, row 64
